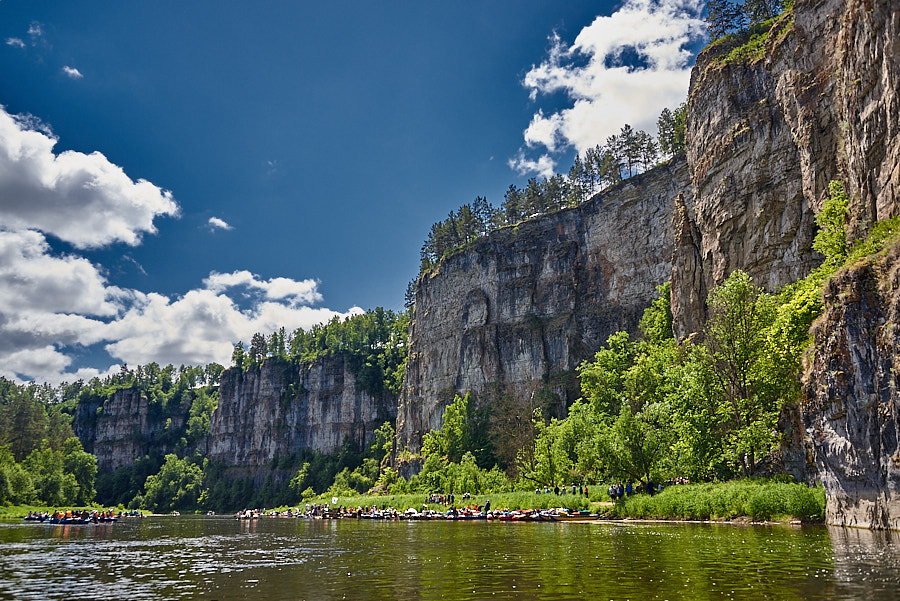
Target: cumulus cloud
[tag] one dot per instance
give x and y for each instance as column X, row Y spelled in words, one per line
column 201, row 326
column 543, row 165
column 41, row 328
column 304, row 292
column 622, row 68
column 54, row 305
column 72, row 72
column 81, row 198
column 215, row 223
column 15, row 42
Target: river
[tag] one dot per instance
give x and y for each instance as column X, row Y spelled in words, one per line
column 218, row 558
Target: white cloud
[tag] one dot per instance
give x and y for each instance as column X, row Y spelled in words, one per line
column 215, row 223
column 201, row 327
column 303, row 292
column 39, row 330
column 33, row 280
column 15, row 42
column 54, row 304
column 544, row 165
column 80, row 198
column 72, row 72
column 622, row 68
column 35, row 30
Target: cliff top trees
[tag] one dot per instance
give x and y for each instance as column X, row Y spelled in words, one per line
column 725, row 16
column 623, row 155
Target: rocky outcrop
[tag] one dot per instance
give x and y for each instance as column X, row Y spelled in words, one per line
column 279, row 408
column 122, row 429
column 851, row 401
column 765, row 135
column 521, row 308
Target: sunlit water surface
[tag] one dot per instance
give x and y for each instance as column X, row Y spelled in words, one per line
column 279, row 558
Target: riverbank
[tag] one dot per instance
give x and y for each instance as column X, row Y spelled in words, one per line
column 737, row 501
column 20, row 511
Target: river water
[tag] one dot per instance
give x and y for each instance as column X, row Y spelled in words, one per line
column 223, row 559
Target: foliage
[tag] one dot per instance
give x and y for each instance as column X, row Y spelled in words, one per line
column 757, row 499
column 177, row 486
column 739, row 358
column 728, row 17
column 374, row 343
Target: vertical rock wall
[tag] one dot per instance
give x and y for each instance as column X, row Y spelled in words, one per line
column 851, row 401
column 766, row 135
column 121, row 430
column 522, row 307
column 279, row 409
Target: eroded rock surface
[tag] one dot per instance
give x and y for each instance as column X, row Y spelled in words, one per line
column 851, row 401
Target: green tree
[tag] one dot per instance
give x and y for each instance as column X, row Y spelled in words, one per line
column 736, row 338
column 83, row 468
column 177, row 486
column 831, row 239
column 666, row 133
column 680, row 116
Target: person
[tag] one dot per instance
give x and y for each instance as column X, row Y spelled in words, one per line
column 612, row 492
column 628, row 489
column 556, row 490
column 586, row 491
column 487, row 505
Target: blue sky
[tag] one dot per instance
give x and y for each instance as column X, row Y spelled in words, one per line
column 177, row 175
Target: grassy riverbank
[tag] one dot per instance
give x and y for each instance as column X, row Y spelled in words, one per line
column 754, row 499
column 757, row 500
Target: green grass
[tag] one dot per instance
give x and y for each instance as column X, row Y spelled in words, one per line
column 758, row 500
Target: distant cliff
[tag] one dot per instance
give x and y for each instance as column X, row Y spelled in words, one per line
column 522, row 307
column 269, row 411
column 123, row 428
column 280, row 408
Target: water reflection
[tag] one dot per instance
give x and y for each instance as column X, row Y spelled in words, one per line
column 223, row 559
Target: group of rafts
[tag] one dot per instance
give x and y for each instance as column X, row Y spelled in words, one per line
column 73, row 517
column 531, row 515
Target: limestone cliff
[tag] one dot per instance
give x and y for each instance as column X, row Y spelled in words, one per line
column 279, row 408
column 121, row 429
column 766, row 134
column 522, row 307
column 851, row 401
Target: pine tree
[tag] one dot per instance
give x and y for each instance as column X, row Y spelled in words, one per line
column 666, row 128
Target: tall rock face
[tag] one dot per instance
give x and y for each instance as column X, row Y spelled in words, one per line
column 122, row 429
column 278, row 409
column 520, row 309
column 851, row 400
column 765, row 135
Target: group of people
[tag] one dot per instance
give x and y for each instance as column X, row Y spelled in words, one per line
column 577, row 489
column 77, row 515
